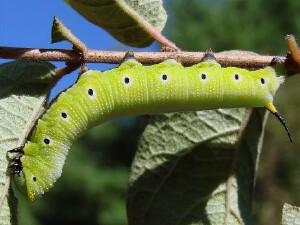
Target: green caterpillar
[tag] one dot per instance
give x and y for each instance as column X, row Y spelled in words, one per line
column 133, row 89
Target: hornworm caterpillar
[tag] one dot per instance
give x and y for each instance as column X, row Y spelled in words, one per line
column 133, row 89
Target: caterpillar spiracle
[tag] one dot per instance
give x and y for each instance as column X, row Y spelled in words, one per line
column 133, row 89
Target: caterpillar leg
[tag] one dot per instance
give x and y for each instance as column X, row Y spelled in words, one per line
column 16, row 166
column 209, row 55
column 129, row 61
column 208, row 60
column 129, row 55
column 17, row 150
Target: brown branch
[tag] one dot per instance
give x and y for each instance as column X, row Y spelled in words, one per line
column 97, row 56
column 293, row 48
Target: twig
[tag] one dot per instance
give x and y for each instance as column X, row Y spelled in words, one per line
column 293, row 48
column 98, row 56
column 60, row 72
column 60, row 33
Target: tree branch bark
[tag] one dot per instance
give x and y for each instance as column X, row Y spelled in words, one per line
column 97, row 56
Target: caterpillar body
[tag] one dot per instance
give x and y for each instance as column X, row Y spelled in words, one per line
column 133, row 89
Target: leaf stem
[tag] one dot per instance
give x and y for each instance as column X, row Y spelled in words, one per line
column 148, row 27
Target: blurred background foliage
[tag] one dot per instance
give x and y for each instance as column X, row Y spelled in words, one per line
column 92, row 189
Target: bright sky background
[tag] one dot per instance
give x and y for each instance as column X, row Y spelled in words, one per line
column 27, row 23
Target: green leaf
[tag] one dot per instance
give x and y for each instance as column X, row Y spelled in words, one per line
column 290, row 215
column 19, row 107
column 16, row 73
column 196, row 168
column 126, row 20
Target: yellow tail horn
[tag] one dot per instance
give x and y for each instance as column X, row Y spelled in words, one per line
column 273, row 110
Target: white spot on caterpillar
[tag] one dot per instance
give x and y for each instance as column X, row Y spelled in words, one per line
column 126, row 80
column 91, row 93
column 203, row 77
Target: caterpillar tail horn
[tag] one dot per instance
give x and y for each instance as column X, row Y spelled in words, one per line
column 274, row 111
